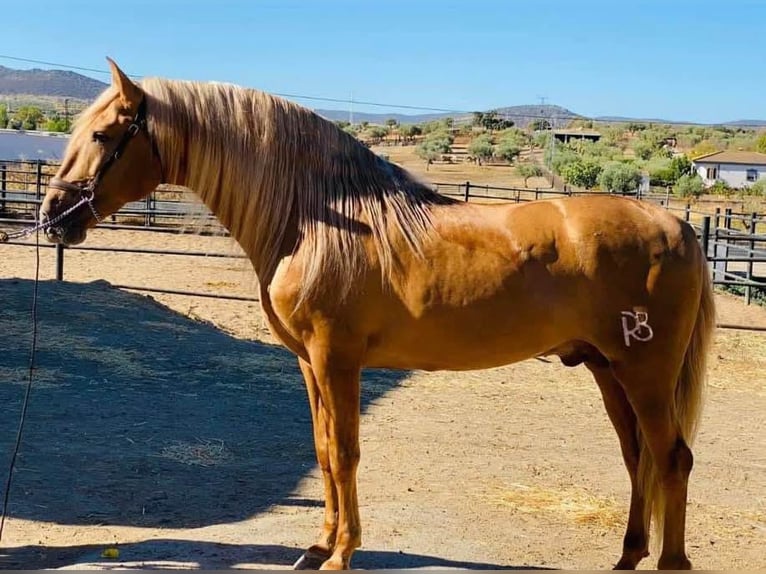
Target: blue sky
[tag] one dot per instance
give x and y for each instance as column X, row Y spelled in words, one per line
column 677, row 59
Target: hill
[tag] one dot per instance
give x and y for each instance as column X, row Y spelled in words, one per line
column 521, row 115
column 55, row 83
column 49, row 87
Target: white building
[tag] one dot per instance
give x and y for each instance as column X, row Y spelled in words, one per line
column 737, row 169
column 31, row 145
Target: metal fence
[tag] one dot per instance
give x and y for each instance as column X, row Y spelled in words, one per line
column 735, row 242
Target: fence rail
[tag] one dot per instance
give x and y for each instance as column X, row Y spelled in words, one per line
column 735, row 242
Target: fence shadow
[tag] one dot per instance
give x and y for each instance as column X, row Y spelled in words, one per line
column 141, row 416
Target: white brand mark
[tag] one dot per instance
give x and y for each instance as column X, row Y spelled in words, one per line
column 635, row 326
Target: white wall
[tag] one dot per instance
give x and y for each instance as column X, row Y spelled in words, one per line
column 16, row 145
column 734, row 174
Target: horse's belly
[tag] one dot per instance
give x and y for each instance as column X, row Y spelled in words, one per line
column 464, row 341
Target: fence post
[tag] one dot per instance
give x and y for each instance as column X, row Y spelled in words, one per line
column 727, row 227
column 706, row 235
column 148, row 207
column 467, row 190
column 39, row 180
column 59, row 262
column 751, row 255
column 3, row 186
column 688, row 212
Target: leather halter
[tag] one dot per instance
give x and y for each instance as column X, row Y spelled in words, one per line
column 87, row 189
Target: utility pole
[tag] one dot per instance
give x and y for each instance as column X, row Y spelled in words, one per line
column 66, row 115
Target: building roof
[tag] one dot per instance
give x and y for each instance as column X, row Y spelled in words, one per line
column 583, row 132
column 742, row 157
column 22, row 145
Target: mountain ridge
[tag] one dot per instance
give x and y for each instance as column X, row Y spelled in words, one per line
column 68, row 84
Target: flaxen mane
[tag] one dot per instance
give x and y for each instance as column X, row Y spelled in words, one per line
column 253, row 157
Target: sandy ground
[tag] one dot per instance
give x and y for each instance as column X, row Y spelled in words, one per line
column 172, row 429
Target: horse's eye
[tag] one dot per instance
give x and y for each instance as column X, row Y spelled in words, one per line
column 100, row 137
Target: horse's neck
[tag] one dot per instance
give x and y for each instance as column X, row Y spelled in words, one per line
column 220, row 176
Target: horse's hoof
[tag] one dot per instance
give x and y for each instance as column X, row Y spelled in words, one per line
column 625, row 564
column 311, row 560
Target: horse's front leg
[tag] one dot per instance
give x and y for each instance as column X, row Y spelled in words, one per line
column 322, row 550
column 339, row 392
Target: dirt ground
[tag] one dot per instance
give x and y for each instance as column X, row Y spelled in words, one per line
column 173, row 430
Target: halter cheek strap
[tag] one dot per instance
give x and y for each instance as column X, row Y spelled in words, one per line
column 136, row 125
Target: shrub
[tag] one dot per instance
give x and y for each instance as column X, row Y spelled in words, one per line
column 481, row 148
column 527, row 170
column 758, row 188
column 720, row 188
column 689, row 186
column 620, row 178
column 582, row 173
column 508, row 149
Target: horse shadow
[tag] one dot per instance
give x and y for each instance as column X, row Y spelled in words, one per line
column 141, row 416
column 164, row 553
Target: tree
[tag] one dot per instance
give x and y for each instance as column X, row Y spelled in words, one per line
column 620, row 177
column 689, row 186
column 760, row 143
column 540, row 125
column 643, row 149
column 342, row 124
column 391, row 123
column 351, row 130
column 376, row 133
column 3, row 116
column 428, row 151
column 409, row 131
column 527, row 170
column 680, row 165
column 490, row 121
column 435, row 144
column 508, row 149
column 28, row 117
column 56, row 124
column 481, row 148
column 582, row 173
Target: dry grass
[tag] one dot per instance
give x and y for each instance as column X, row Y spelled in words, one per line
column 501, row 175
column 202, row 453
column 41, row 378
column 572, row 504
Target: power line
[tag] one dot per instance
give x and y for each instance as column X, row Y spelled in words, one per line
column 284, row 94
column 66, row 66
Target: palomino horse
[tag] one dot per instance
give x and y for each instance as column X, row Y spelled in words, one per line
column 361, row 265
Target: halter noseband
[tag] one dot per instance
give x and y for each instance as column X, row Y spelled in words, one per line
column 87, row 189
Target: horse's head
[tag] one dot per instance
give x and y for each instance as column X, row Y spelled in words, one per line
column 109, row 161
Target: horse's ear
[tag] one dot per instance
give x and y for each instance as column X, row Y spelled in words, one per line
column 130, row 93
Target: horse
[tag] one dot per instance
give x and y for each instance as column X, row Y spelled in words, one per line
column 361, row 264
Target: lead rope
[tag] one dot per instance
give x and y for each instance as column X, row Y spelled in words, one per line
column 5, row 236
column 29, row 384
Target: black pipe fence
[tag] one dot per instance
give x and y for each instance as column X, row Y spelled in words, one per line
column 734, row 242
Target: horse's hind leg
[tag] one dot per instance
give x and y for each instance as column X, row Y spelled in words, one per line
column 653, row 402
column 636, row 541
column 323, row 549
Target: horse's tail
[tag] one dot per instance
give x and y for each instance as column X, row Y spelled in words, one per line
column 687, row 405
